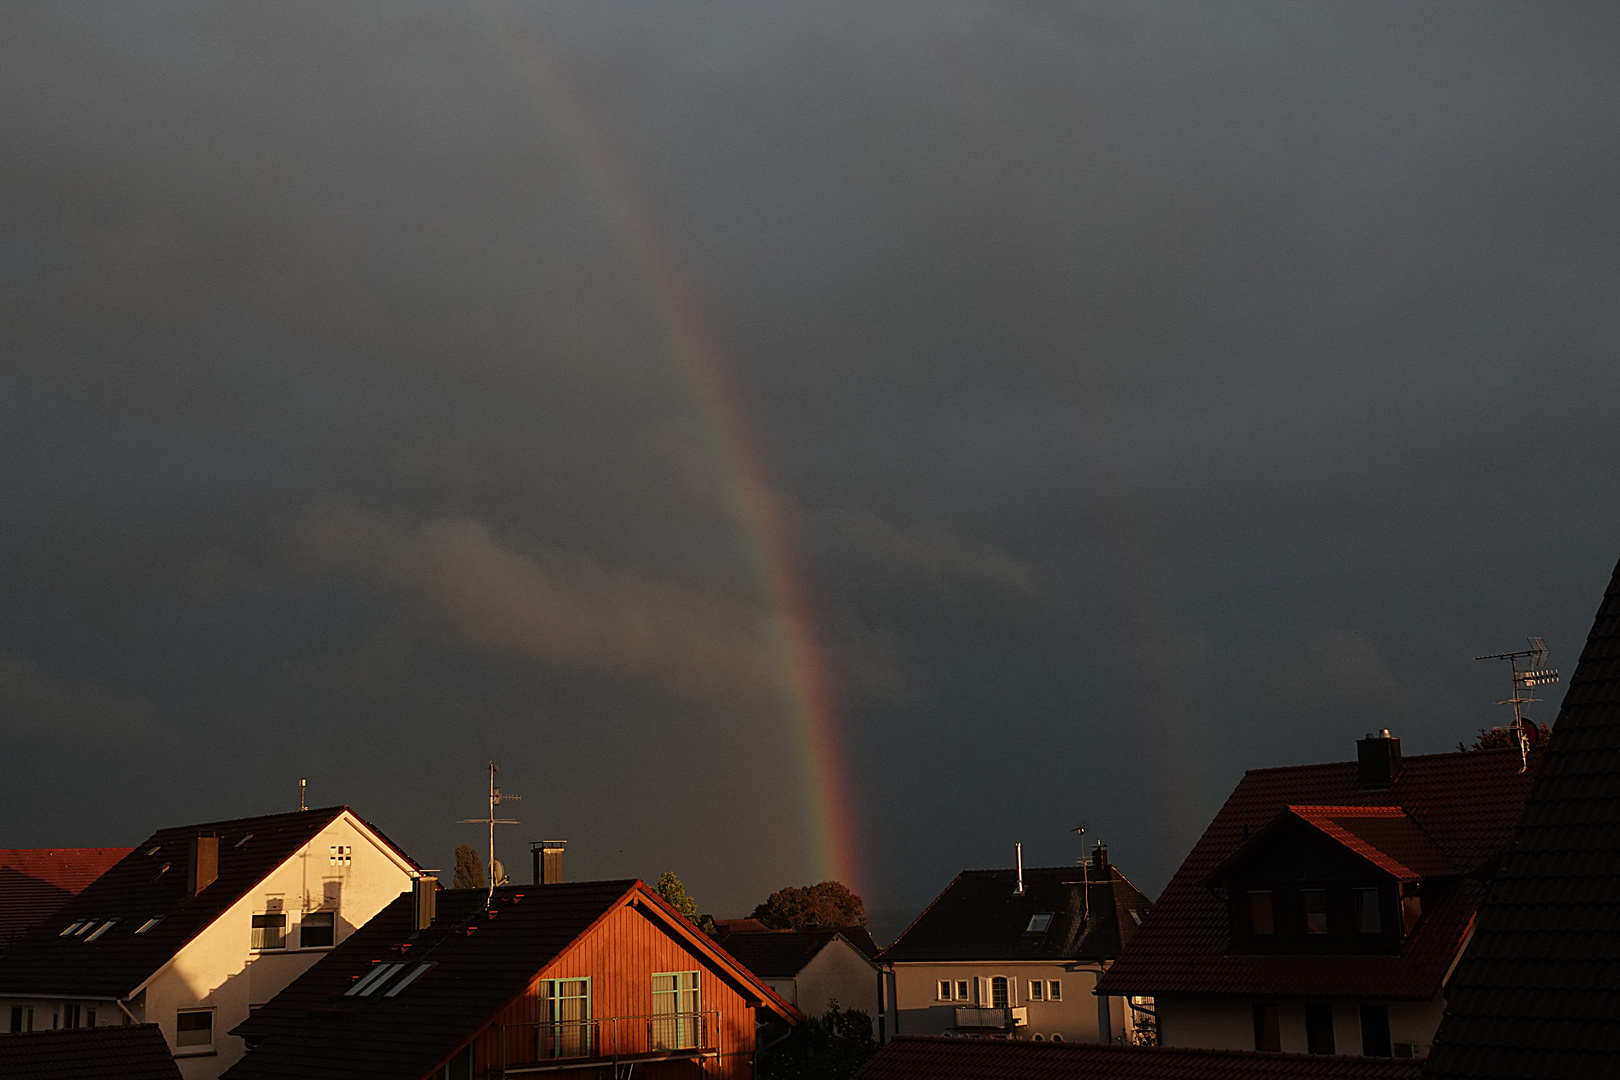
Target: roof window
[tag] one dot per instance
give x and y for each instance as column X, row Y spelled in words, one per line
column 71, row 929
column 154, row 849
column 245, row 838
column 1038, row 922
column 88, row 923
column 149, row 923
column 416, row 973
column 373, row 980
column 102, row 929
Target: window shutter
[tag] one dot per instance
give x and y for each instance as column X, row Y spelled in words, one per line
column 981, row 987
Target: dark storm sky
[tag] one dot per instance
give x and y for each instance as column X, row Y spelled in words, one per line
column 1158, row 391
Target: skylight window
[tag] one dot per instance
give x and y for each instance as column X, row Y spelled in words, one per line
column 1038, row 922
column 149, row 923
column 154, row 849
column 87, row 925
column 102, row 929
column 71, row 929
column 373, row 981
column 245, row 838
column 416, row 973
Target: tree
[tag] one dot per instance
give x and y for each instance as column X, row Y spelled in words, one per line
column 469, row 871
column 825, row 906
column 674, row 894
column 826, row 1047
column 1501, row 738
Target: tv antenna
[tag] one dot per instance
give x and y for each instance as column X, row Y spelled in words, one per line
column 1085, row 871
column 495, row 869
column 1534, row 673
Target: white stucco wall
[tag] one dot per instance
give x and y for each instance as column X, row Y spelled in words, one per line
column 1075, row 1017
column 1227, row 1023
column 839, row 972
column 217, row 969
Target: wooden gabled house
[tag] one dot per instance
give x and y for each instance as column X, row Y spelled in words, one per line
column 570, row 979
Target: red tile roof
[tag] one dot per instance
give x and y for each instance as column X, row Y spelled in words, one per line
column 99, row 1053
column 36, row 882
column 910, row 1057
column 1463, row 804
column 1383, row 835
column 1538, row 992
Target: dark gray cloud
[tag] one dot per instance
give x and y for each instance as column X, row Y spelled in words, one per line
column 1155, row 391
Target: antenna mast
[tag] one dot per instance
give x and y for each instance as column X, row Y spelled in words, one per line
column 301, row 784
column 495, row 798
column 1085, row 872
column 1533, row 674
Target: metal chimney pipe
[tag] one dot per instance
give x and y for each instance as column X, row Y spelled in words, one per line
column 1018, row 850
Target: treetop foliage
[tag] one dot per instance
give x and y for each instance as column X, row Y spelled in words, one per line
column 824, row 906
column 469, row 871
column 674, row 893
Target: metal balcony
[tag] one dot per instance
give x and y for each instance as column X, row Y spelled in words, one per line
column 992, row 1019
column 554, row 1045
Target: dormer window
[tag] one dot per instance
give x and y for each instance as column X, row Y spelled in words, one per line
column 1313, row 909
column 1262, row 921
column 1369, row 914
column 1038, row 923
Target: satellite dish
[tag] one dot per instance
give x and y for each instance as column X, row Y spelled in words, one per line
column 1527, row 730
column 497, row 872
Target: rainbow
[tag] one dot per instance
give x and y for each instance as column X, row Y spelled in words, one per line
column 806, row 680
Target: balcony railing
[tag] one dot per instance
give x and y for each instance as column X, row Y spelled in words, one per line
column 999, row 1019
column 563, row 1044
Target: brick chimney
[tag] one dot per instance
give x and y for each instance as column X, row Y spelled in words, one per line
column 1378, row 759
column 548, row 861
column 1099, row 859
column 424, row 902
column 202, row 866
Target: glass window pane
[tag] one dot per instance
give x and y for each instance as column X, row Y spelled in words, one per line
column 1054, row 991
column 1369, row 916
column 1261, row 921
column 1313, row 906
column 194, row 1029
column 318, row 929
column 269, row 932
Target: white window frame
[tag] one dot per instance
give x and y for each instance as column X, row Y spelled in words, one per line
column 190, row 1049
column 946, row 989
column 1037, row 990
column 316, row 948
column 1054, row 989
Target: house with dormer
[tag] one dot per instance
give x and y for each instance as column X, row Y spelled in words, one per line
column 199, row 925
column 584, row 979
column 1016, row 954
column 1326, row 906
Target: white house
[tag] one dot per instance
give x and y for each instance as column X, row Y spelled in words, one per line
column 199, row 925
column 813, row 969
column 1016, row 954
